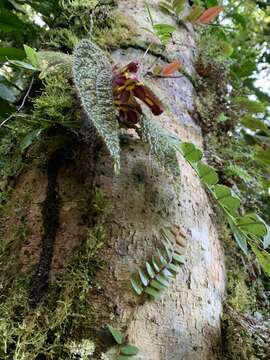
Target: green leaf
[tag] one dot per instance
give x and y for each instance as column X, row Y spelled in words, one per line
column 207, row 174
column 211, row 3
column 152, row 292
column 164, row 28
column 129, row 350
column 178, row 6
column 11, row 53
column 150, row 271
column 173, row 267
column 162, row 280
column 266, row 239
column 194, row 13
column 239, row 236
column 32, row 55
column 168, row 235
column 240, row 19
column 136, row 286
column 250, row 105
column 23, row 65
column 143, row 277
column 9, row 22
column 252, row 225
column 6, row 93
column 5, row 109
column 168, row 251
column 263, row 258
column 164, row 31
column 191, row 152
column 226, row 48
column 225, row 197
column 149, row 13
column 117, row 335
column 161, row 258
column 166, row 7
column 98, row 103
column 179, row 258
column 157, row 285
column 155, row 264
column 29, row 138
column 253, row 123
column 167, row 274
column 262, row 156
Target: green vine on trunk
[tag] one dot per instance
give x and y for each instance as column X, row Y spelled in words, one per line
column 160, row 270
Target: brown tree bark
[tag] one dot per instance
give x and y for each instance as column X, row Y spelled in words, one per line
column 185, row 323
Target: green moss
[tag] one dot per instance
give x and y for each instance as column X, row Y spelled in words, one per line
column 244, row 302
column 56, row 104
column 58, row 38
column 66, row 317
column 120, row 30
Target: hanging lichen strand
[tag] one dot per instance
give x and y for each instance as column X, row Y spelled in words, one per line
column 92, row 75
column 160, row 145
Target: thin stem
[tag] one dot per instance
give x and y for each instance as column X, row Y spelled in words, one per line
column 22, row 104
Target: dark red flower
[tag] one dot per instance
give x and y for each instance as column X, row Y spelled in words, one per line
column 126, row 88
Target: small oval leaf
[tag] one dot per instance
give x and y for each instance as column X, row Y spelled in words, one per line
column 209, row 15
column 117, row 335
column 129, row 350
column 169, row 69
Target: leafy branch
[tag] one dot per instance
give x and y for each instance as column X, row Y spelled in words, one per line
column 158, row 272
column 247, row 229
column 162, row 31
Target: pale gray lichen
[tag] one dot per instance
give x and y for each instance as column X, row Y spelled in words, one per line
column 161, row 144
column 81, row 350
column 92, row 75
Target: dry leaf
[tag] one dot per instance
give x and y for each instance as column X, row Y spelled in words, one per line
column 209, row 15
column 171, row 68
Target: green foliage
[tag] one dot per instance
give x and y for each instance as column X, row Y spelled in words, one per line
column 62, row 325
column 158, row 272
column 93, row 78
column 126, row 350
column 162, row 31
column 251, row 106
column 173, row 7
column 56, row 104
column 119, row 30
column 248, row 228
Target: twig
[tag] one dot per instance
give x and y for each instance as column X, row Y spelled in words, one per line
column 22, row 104
column 146, row 51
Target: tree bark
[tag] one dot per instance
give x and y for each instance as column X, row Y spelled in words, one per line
column 185, row 322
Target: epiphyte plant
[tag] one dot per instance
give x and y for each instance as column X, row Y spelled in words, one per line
column 103, row 89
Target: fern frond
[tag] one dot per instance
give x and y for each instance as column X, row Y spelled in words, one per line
column 158, row 272
column 160, row 144
column 92, row 75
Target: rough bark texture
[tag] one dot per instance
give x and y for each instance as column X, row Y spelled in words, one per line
column 185, row 322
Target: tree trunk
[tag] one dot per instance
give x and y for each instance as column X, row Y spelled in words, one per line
column 143, row 199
